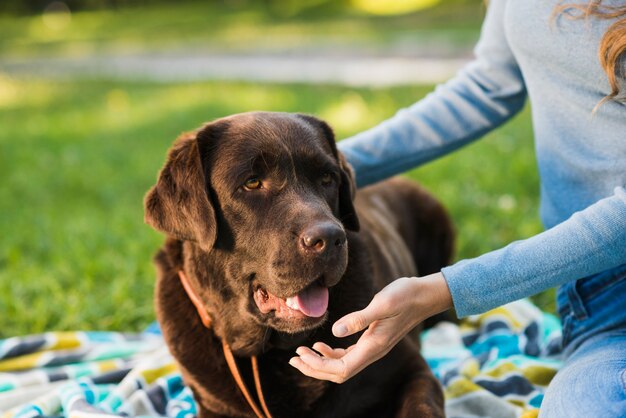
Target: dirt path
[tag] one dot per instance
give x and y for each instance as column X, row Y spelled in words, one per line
column 315, row 68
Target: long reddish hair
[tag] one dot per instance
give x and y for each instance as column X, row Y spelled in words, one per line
column 612, row 48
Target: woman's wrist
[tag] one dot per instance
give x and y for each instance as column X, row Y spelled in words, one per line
column 433, row 295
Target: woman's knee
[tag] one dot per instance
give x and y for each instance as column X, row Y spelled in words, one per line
column 591, row 384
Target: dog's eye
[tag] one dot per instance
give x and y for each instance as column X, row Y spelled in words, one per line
column 327, row 178
column 252, row 183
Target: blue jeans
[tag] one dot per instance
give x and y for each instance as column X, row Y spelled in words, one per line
column 592, row 382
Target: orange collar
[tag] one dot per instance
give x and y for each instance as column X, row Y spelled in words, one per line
column 204, row 315
column 262, row 412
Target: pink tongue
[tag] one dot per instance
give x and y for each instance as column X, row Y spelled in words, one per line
column 313, row 301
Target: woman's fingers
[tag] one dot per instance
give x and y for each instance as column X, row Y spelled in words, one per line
column 307, row 370
column 337, row 365
column 314, row 365
column 321, row 367
column 351, row 323
column 327, row 351
column 359, row 320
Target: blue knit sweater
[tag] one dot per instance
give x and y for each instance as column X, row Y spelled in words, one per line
column 581, row 156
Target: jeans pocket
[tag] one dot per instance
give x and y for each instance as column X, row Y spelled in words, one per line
column 566, row 328
column 591, row 286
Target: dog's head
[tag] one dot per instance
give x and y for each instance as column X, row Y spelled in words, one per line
column 267, row 198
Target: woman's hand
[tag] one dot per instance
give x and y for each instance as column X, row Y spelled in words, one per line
column 393, row 312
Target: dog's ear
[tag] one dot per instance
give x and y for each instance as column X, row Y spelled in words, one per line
column 347, row 190
column 347, row 186
column 179, row 203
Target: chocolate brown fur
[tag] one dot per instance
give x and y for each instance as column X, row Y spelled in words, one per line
column 231, row 242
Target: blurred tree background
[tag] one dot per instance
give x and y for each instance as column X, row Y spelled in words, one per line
column 78, row 150
column 272, row 6
column 135, row 26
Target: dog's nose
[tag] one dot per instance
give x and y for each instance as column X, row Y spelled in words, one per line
column 322, row 237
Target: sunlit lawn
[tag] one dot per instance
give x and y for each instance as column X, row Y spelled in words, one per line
column 76, row 159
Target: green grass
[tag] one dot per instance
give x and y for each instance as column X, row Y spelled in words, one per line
column 238, row 26
column 77, row 158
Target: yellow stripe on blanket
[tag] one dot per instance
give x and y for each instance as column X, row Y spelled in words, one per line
column 470, row 369
column 108, row 365
column 460, row 387
column 151, row 375
column 539, row 375
column 502, row 370
column 64, row 340
column 474, row 321
column 28, row 361
column 54, row 341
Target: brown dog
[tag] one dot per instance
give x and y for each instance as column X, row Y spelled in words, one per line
column 259, row 213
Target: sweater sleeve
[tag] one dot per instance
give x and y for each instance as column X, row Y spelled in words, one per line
column 589, row 242
column 486, row 93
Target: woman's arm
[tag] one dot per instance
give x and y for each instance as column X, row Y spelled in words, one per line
column 591, row 241
column 486, row 93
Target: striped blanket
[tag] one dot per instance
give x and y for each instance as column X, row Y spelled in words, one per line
column 497, row 364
